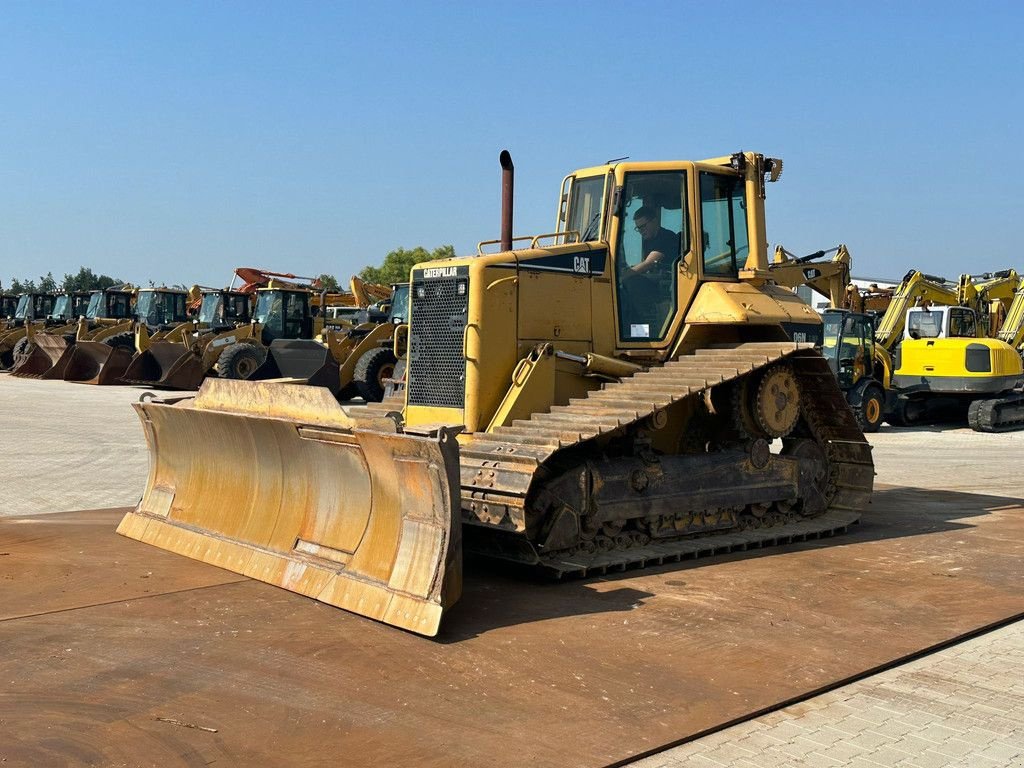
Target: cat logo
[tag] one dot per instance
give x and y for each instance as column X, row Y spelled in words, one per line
column 435, row 272
column 581, row 265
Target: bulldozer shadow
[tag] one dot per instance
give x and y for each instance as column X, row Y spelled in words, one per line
column 497, row 595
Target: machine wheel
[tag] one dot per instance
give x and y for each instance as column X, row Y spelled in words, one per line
column 125, row 339
column 239, row 361
column 21, row 349
column 370, row 372
column 868, row 404
column 904, row 412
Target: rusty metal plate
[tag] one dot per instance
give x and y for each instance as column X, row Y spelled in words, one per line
column 581, row 673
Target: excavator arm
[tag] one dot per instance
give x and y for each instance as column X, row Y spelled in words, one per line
column 916, row 289
column 1012, row 331
column 829, row 278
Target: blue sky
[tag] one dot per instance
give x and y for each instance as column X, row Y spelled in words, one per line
column 173, row 141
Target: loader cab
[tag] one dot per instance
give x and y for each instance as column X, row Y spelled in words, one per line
column 398, row 312
column 848, row 344
column 161, row 308
column 8, row 306
column 33, row 306
column 222, row 310
column 69, row 307
column 109, row 305
column 283, row 314
column 940, row 323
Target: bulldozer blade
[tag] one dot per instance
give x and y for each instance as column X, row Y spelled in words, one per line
column 278, row 483
column 168, row 365
column 93, row 362
column 46, row 351
column 300, row 359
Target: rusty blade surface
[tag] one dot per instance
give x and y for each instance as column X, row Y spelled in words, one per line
column 94, row 362
column 274, row 481
column 582, row 673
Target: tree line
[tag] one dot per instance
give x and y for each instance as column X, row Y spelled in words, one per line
column 394, row 269
column 84, row 280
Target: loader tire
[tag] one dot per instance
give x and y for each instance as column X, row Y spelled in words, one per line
column 868, row 404
column 371, row 371
column 239, row 361
column 21, row 349
column 125, row 339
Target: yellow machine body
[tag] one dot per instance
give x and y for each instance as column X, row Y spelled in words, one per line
column 654, row 397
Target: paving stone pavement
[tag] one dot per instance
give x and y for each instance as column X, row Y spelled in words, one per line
column 962, row 706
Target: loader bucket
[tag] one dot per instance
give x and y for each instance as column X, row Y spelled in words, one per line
column 300, row 360
column 278, row 483
column 47, row 350
column 93, row 362
column 164, row 364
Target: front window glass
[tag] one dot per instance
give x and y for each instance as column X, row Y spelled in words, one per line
column 62, row 307
column 267, row 303
column 95, row 306
column 149, row 307
column 210, row 311
column 22, row 308
column 922, row 324
column 724, row 218
column 831, row 325
column 654, row 237
column 400, row 304
column 586, row 202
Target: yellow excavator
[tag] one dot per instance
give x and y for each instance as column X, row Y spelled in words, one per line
column 605, row 397
column 947, row 361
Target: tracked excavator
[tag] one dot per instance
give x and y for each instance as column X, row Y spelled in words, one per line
column 563, row 410
column 948, row 362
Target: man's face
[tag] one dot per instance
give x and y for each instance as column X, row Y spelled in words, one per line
column 646, row 227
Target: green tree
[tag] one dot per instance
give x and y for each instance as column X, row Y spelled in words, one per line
column 87, row 280
column 329, row 283
column 397, row 264
column 48, row 284
column 22, row 286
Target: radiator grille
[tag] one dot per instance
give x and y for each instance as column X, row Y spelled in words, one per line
column 437, row 321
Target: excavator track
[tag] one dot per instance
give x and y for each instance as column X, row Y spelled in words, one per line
column 501, row 471
column 1000, row 414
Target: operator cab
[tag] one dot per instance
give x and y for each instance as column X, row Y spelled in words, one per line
column 848, row 343
column 69, row 307
column 33, row 306
column 677, row 222
column 284, row 314
column 161, row 308
column 8, row 305
column 222, row 310
column 940, row 323
column 109, row 305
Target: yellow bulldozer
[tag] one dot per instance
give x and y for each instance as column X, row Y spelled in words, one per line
column 619, row 393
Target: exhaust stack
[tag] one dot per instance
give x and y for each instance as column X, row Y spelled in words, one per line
column 508, row 172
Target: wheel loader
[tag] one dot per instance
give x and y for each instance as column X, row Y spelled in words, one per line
column 180, row 360
column 107, row 323
column 564, row 410
column 29, row 314
column 60, row 325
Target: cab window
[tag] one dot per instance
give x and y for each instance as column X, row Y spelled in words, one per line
column 962, row 323
column 653, row 238
column 724, row 218
column 586, row 202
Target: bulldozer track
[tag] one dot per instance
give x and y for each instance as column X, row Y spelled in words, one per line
column 499, row 469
